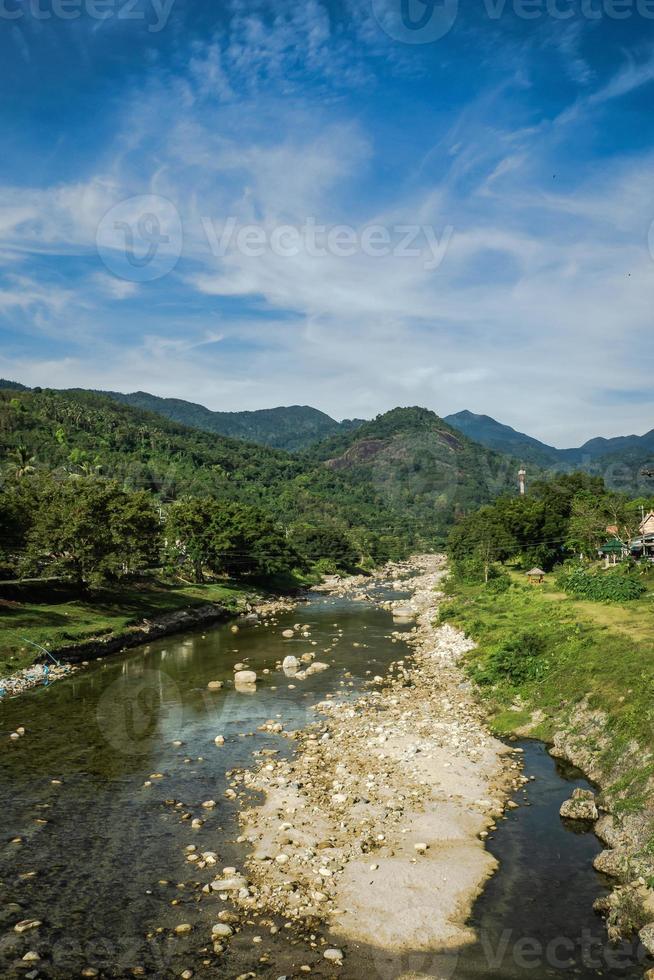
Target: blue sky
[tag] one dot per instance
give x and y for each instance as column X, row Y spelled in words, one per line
column 517, row 143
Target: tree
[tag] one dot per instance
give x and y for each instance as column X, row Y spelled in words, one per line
column 23, row 462
column 227, row 538
column 91, row 530
column 317, row 543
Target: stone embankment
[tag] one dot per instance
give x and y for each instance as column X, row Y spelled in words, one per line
column 66, row 660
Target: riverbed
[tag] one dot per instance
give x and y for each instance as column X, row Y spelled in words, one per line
column 116, row 762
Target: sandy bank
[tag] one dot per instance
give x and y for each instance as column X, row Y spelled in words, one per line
column 375, row 825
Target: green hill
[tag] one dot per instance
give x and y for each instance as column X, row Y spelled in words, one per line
column 503, row 439
column 619, row 460
column 82, row 432
column 292, row 428
column 419, row 465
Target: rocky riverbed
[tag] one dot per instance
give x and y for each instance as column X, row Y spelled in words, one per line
column 375, row 824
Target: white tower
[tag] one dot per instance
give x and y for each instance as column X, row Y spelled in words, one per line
column 522, row 479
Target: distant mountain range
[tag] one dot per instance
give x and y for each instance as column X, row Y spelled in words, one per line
column 602, row 456
column 298, row 428
column 291, row 428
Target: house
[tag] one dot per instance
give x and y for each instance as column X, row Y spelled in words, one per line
column 643, row 545
column 646, row 526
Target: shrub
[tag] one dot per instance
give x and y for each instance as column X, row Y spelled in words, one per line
column 615, row 585
column 517, row 660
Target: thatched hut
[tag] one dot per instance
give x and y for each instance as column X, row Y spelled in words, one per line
column 536, row 576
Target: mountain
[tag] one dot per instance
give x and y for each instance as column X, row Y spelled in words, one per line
column 4, row 384
column 76, row 432
column 420, row 466
column 291, row 428
column 502, row 438
column 619, row 460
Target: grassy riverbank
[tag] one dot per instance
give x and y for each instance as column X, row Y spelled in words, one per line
column 543, row 660
column 55, row 617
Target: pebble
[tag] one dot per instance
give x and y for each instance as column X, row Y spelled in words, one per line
column 25, row 925
column 334, row 955
column 183, row 929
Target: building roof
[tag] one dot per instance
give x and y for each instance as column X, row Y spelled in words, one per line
column 536, row 571
column 612, row 547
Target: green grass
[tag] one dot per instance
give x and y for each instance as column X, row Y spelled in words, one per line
column 599, row 652
column 59, row 619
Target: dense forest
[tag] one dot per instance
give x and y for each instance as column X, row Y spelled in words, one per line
column 95, row 490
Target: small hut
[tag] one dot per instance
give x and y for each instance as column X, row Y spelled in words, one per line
column 536, row 576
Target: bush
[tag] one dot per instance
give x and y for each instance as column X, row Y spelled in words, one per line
column 472, row 571
column 516, row 661
column 616, row 585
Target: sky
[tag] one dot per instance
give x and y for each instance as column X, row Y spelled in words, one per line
column 351, row 204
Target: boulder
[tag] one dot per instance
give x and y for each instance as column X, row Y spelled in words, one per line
column 245, row 678
column 316, row 667
column 646, row 936
column 288, row 634
column 233, row 884
column 214, row 685
column 581, row 806
column 290, row 663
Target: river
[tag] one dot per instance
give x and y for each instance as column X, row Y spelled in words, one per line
column 98, row 856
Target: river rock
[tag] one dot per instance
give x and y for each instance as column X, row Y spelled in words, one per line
column 25, row 925
column 404, row 613
column 288, row 634
column 221, row 931
column 183, row 929
column 219, row 740
column 646, row 936
column 233, row 884
column 214, row 685
column 581, row 806
column 316, row 667
column 290, row 663
column 245, row 678
column 333, row 955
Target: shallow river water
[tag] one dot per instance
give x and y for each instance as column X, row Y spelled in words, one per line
column 98, row 857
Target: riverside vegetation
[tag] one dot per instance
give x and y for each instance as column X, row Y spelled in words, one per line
column 109, row 514
column 569, row 662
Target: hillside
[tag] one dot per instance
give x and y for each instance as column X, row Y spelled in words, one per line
column 419, row 465
column 82, row 432
column 291, row 428
column 502, row 438
column 619, row 460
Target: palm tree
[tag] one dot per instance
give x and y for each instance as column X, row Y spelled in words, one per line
column 23, row 461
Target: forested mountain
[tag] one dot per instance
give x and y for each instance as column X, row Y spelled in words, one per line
column 81, row 432
column 292, row 428
column 619, row 460
column 395, row 483
column 504, row 439
column 420, row 466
